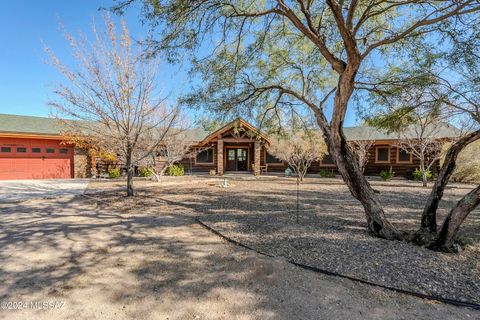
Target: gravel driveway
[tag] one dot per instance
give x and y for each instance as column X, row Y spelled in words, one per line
column 142, row 258
column 20, row 190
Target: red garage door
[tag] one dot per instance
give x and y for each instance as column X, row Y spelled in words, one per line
column 35, row 159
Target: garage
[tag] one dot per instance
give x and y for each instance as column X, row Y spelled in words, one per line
column 32, row 148
column 29, row 158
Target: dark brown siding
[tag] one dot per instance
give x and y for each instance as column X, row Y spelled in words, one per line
column 191, row 166
column 372, row 167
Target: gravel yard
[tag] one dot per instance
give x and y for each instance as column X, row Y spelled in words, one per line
column 331, row 234
column 109, row 257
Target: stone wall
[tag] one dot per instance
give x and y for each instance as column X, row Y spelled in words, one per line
column 81, row 164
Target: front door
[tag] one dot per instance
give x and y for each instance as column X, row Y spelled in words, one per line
column 237, row 159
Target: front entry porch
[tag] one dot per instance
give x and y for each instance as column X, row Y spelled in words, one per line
column 238, row 147
column 234, row 157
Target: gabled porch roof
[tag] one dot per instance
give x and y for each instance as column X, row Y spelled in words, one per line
column 240, row 125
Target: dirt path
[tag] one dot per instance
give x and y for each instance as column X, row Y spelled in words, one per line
column 108, row 262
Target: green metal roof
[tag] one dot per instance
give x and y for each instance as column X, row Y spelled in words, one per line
column 442, row 130
column 50, row 126
column 28, row 124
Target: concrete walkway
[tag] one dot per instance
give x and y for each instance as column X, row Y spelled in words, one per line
column 20, row 190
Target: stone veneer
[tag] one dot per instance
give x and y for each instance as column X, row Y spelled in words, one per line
column 220, row 157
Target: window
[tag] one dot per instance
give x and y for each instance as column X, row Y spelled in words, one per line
column 6, row 149
column 50, row 150
column 403, row 156
column 63, row 151
column 36, row 150
column 327, row 159
column 205, row 156
column 21, row 149
column 272, row 159
column 231, row 155
column 382, row 154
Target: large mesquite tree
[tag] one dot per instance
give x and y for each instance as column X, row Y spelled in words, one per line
column 263, row 55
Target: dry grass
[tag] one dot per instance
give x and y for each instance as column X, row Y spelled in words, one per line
column 468, row 164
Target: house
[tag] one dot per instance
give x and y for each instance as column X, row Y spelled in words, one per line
column 32, row 148
column 240, row 147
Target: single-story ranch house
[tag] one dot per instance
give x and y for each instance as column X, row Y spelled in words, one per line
column 32, row 148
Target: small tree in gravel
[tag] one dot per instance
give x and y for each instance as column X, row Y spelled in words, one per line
column 421, row 140
column 299, row 149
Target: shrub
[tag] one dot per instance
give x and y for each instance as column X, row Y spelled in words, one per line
column 146, row 171
column 107, row 156
column 417, row 174
column 387, row 175
column 302, row 169
column 175, row 170
column 325, row 173
column 114, row 172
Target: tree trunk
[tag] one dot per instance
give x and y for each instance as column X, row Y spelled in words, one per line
column 129, row 176
column 429, row 215
column 164, row 169
column 346, row 162
column 455, row 218
column 422, row 169
column 358, row 185
column 298, row 199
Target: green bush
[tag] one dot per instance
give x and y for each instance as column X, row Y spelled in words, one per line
column 114, row 172
column 325, row 173
column 387, row 175
column 146, row 171
column 302, row 169
column 417, row 174
column 175, row 170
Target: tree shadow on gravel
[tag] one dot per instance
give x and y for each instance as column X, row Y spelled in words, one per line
column 131, row 253
column 332, row 233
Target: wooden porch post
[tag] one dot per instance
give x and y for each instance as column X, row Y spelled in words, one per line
column 220, row 157
column 257, row 151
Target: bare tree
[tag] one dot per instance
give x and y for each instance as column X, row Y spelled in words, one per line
column 361, row 149
column 421, row 139
column 173, row 149
column 112, row 95
column 299, row 149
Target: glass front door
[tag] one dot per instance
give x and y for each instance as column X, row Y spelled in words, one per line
column 242, row 160
column 237, row 159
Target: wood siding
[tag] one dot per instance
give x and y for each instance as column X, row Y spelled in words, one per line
column 373, row 168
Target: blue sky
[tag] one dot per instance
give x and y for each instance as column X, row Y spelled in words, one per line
column 26, row 81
